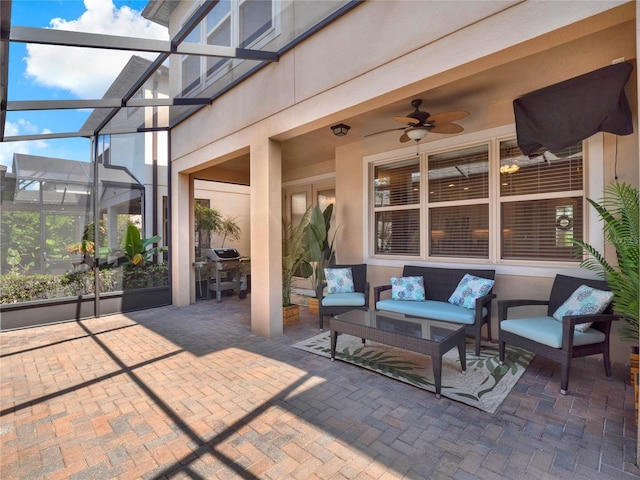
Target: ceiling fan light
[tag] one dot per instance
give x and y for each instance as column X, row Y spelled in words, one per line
column 513, row 168
column 417, row 133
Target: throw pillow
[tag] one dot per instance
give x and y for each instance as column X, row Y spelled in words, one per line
column 584, row 301
column 339, row 280
column 407, row 288
column 469, row 290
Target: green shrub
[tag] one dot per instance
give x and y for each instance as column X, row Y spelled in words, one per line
column 24, row 288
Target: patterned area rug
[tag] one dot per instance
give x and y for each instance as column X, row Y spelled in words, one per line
column 485, row 385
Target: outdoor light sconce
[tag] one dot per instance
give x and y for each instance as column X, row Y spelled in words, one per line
column 340, row 130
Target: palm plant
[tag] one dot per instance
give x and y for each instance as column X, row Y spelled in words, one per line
column 620, row 213
column 136, row 248
column 229, row 228
column 294, row 248
column 320, row 252
column 207, row 220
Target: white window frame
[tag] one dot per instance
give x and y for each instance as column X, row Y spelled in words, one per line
column 593, row 165
column 207, row 79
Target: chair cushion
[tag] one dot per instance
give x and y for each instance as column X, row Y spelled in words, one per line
column 407, row 288
column 429, row 309
column 339, row 280
column 548, row 331
column 353, row 299
column 584, row 301
column 469, row 290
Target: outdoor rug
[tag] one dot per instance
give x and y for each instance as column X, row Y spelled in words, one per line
column 485, row 385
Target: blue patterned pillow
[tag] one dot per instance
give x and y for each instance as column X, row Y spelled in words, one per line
column 339, row 280
column 469, row 289
column 407, row 288
column 584, row 301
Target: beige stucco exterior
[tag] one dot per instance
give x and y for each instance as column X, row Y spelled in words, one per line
column 379, row 53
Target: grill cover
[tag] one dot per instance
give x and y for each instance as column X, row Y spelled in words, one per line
column 563, row 114
column 221, row 254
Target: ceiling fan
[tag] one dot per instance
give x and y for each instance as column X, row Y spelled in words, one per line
column 418, row 123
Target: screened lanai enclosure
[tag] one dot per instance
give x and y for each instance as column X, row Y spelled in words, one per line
column 71, row 228
column 85, row 220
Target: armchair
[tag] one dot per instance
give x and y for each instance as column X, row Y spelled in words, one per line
column 559, row 340
column 335, row 303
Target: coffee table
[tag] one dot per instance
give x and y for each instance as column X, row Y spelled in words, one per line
column 425, row 336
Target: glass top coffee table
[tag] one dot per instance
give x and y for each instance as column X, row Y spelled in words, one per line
column 421, row 335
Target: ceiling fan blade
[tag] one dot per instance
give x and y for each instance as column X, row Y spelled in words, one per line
column 404, row 138
column 407, row 120
column 447, row 128
column 446, row 117
column 385, row 131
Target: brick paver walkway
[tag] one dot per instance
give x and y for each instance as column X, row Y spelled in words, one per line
column 192, row 393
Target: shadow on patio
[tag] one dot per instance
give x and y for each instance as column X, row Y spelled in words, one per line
column 192, row 393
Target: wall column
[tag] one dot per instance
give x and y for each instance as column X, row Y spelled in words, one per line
column 266, row 237
column 182, row 273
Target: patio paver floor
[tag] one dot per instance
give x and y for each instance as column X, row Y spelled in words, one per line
column 192, row 393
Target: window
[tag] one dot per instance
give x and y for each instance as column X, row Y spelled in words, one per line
column 541, row 202
column 459, row 203
column 485, row 201
column 241, row 24
column 396, row 190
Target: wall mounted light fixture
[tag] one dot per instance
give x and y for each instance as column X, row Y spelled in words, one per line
column 340, row 130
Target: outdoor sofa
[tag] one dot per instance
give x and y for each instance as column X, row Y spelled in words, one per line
column 446, row 297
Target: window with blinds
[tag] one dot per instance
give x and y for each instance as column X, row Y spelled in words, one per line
column 396, row 203
column 441, row 206
column 459, row 203
column 541, row 203
column 459, row 174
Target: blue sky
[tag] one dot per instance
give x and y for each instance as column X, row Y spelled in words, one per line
column 41, row 72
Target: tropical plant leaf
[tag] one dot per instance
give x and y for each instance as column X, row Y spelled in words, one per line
column 620, row 213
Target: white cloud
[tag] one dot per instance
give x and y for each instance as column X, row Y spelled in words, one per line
column 22, row 127
column 88, row 72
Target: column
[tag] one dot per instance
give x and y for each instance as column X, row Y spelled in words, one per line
column 266, row 237
column 182, row 273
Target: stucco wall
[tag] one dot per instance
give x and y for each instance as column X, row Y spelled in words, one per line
column 230, row 201
column 378, row 54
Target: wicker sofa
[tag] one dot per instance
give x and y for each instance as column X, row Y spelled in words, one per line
column 439, row 285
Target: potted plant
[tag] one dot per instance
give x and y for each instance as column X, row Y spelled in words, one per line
column 320, row 252
column 228, row 228
column 620, row 213
column 294, row 247
column 207, row 220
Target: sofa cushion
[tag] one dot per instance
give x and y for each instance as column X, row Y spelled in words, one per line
column 429, row 309
column 354, row 299
column 469, row 290
column 339, row 280
column 548, row 331
column 407, row 288
column 584, row 301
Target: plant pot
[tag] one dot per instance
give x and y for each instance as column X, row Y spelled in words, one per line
column 313, row 306
column 290, row 314
column 635, row 370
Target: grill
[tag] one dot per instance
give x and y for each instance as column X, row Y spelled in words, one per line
column 227, row 270
column 222, row 254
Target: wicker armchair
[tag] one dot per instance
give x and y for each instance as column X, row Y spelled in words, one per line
column 333, row 304
column 558, row 341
